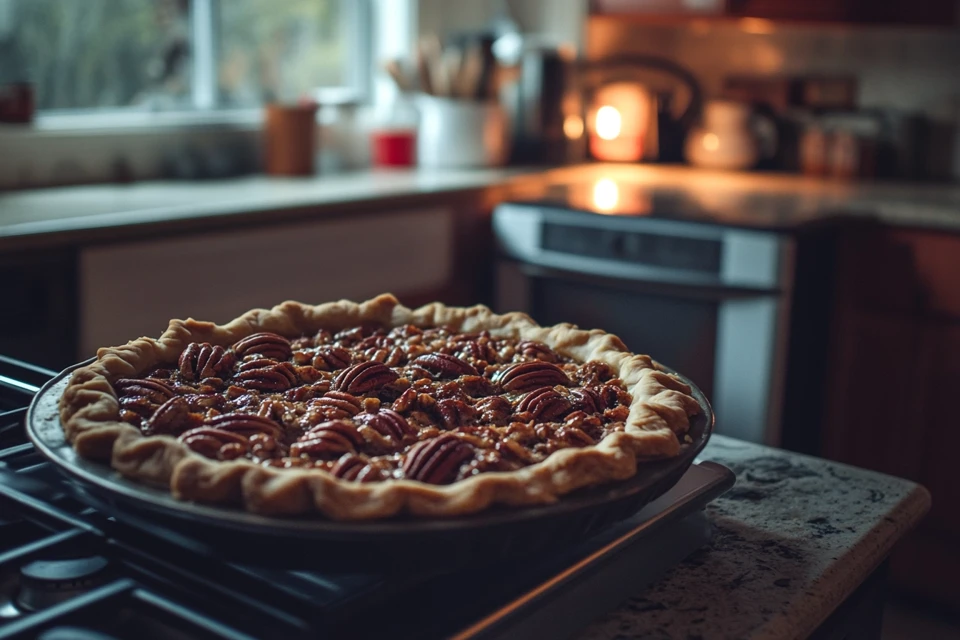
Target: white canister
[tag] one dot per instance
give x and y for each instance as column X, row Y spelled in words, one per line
column 732, row 137
column 461, row 133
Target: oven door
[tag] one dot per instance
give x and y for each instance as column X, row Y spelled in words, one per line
column 728, row 340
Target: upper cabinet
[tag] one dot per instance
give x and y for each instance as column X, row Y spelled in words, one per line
column 887, row 12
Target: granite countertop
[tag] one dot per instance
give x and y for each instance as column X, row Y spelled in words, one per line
column 74, row 215
column 794, row 538
column 775, row 201
column 66, row 215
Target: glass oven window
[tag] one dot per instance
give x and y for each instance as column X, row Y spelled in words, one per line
column 680, row 333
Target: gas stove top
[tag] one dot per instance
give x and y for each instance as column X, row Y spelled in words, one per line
column 69, row 571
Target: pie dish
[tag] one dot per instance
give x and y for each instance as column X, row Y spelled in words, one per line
column 369, row 410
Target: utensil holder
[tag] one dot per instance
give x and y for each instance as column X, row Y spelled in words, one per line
column 461, row 133
column 290, row 144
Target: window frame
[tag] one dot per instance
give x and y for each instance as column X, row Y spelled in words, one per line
column 205, row 111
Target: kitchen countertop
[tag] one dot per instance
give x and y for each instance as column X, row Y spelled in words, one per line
column 767, row 201
column 794, row 538
column 69, row 215
column 75, row 215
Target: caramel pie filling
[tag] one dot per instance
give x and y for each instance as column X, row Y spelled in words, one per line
column 370, row 404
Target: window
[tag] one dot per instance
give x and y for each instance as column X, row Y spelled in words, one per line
column 182, row 55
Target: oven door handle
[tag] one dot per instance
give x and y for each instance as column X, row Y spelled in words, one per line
column 692, row 290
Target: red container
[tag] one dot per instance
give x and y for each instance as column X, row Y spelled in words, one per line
column 394, row 147
column 16, row 103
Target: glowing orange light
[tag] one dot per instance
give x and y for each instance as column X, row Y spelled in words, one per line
column 606, row 195
column 573, row 127
column 608, row 122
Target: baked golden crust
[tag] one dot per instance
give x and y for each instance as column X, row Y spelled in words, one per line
column 89, row 410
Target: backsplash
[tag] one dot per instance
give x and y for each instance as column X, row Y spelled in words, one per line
column 907, row 69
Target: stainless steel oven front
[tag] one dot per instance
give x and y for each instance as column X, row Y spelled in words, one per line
column 709, row 301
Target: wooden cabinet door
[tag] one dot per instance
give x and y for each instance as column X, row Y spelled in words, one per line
column 809, row 10
column 893, row 384
column 872, row 394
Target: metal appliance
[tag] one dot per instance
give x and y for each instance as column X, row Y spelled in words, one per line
column 709, row 300
column 69, row 571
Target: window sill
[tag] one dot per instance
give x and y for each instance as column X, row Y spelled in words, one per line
column 136, row 122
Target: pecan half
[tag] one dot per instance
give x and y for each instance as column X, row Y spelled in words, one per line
column 141, row 407
column 593, row 373
column 477, row 351
column 152, row 390
column 332, row 438
column 307, row 391
column 268, row 345
column 267, row 375
column 204, row 360
column 220, row 434
column 495, row 410
column 573, row 436
column 587, row 400
column 406, row 401
column 515, row 450
column 387, row 423
column 170, row 417
column 207, row 446
column 437, row 461
column 456, row 413
column 536, row 350
column 331, row 358
column 525, row 376
column 245, row 423
column 336, row 405
column 613, row 395
column 544, row 404
column 364, row 378
column 444, row 365
column 353, row 467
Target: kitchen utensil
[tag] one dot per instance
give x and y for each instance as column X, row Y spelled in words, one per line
column 400, row 543
column 461, row 133
column 732, row 137
column 541, row 99
column 425, row 66
column 395, row 70
column 290, row 144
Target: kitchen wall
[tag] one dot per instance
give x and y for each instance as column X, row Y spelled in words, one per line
column 556, row 21
column 903, row 68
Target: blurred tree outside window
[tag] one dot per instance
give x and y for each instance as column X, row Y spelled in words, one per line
column 144, row 54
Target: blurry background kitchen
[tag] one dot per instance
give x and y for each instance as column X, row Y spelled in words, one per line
column 761, row 193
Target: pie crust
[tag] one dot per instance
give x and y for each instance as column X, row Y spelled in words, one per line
column 659, row 412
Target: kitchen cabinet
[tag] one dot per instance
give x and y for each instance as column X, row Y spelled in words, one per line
column 126, row 288
column 37, row 306
column 891, row 12
column 893, row 371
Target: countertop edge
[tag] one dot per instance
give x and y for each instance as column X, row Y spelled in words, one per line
column 850, row 570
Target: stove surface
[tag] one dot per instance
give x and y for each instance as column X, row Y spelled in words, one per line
column 698, row 199
column 69, row 571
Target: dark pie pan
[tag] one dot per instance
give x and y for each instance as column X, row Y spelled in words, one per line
column 232, row 533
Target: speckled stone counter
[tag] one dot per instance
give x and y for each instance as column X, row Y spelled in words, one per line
column 794, row 538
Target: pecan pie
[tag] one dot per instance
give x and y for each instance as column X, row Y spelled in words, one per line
column 368, row 410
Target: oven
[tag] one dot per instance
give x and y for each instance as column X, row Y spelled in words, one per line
column 707, row 300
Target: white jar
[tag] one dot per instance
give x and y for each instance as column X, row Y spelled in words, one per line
column 730, row 137
column 461, row 133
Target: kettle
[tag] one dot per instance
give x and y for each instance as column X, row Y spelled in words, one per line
column 665, row 98
column 732, row 136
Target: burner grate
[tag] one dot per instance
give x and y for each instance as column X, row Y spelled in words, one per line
column 165, row 584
